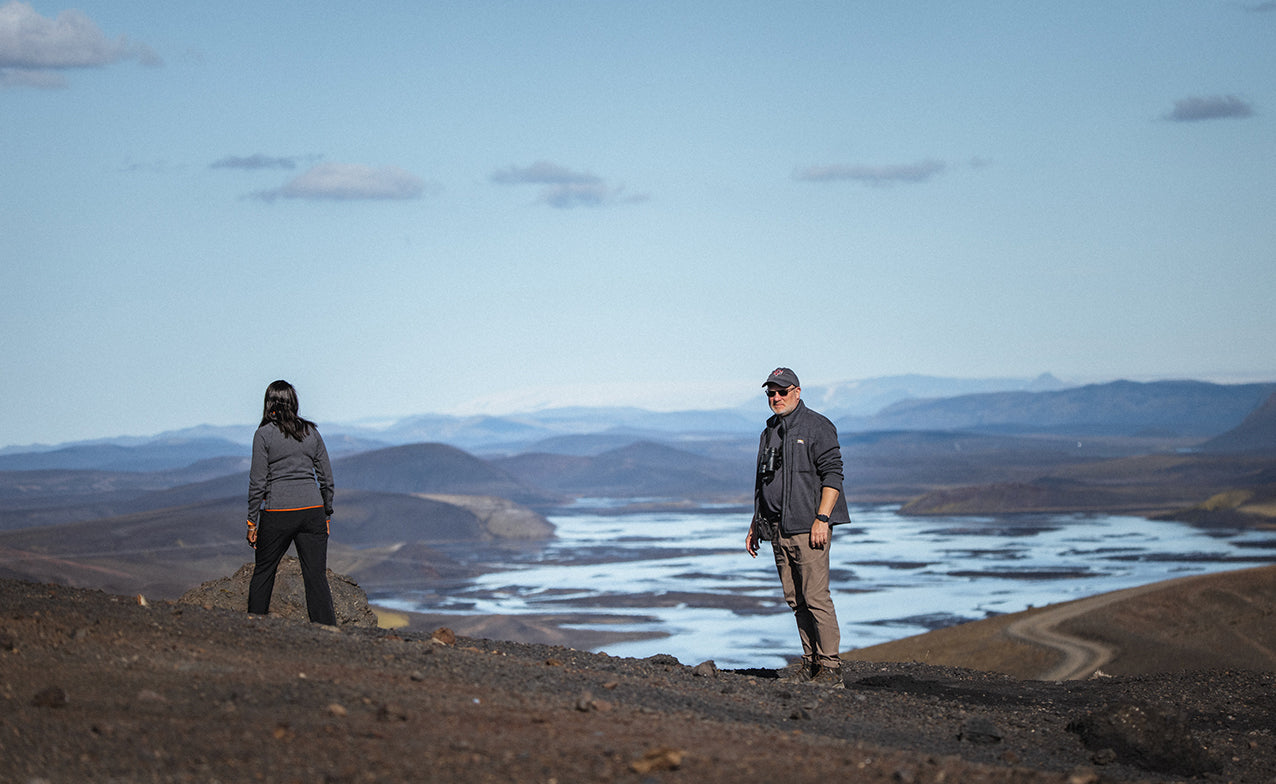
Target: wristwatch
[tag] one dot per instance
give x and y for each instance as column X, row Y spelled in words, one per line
column 822, row 518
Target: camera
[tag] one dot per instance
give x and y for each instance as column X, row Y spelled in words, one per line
column 770, row 463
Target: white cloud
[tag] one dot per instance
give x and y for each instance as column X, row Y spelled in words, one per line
column 565, row 188
column 349, row 182
column 542, row 173
column 256, row 161
column 1209, row 107
column 33, row 47
column 588, row 195
column 872, row 175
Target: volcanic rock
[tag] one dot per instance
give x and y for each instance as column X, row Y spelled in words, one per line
column 289, row 597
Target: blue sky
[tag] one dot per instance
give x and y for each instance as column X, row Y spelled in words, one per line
column 408, row 207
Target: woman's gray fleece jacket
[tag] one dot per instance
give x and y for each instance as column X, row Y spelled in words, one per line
column 287, row 473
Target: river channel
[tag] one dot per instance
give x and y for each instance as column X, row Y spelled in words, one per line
column 687, row 578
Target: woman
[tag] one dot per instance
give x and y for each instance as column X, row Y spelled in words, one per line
column 289, row 501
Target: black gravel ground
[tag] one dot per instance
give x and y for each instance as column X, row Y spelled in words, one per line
column 98, row 687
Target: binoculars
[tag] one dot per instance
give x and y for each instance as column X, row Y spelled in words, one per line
column 770, row 462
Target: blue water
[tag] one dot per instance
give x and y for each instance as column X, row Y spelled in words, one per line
column 687, row 576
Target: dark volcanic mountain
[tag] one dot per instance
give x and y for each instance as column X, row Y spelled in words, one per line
column 643, row 469
column 432, row 468
column 52, row 497
column 1257, row 434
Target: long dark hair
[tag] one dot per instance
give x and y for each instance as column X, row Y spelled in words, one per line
column 281, row 408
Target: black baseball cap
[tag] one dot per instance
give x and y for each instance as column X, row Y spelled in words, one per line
column 783, row 378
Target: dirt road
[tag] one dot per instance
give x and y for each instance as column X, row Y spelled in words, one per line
column 1082, row 657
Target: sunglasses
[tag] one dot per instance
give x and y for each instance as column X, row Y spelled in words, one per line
column 780, row 392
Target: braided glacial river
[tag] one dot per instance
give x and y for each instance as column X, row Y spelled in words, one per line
column 686, row 577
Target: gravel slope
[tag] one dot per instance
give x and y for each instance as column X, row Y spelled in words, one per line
column 1225, row 620
column 99, row 687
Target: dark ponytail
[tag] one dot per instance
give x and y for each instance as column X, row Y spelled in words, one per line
column 281, row 409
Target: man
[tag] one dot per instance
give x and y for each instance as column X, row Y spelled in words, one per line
column 797, row 499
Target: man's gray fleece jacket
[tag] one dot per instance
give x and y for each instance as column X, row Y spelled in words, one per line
column 812, row 461
column 287, row 473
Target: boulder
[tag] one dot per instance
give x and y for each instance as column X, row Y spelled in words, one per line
column 289, row 597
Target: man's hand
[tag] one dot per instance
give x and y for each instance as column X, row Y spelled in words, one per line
column 820, row 535
column 252, row 536
column 821, row 531
column 751, row 543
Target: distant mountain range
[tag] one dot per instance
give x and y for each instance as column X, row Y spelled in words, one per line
column 174, row 505
column 549, row 429
column 161, row 453
column 867, row 397
column 1185, row 409
column 1120, row 408
column 552, row 456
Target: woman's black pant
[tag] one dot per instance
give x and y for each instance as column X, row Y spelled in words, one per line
column 308, row 529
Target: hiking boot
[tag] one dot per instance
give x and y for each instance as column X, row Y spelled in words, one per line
column 829, row 676
column 802, row 672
